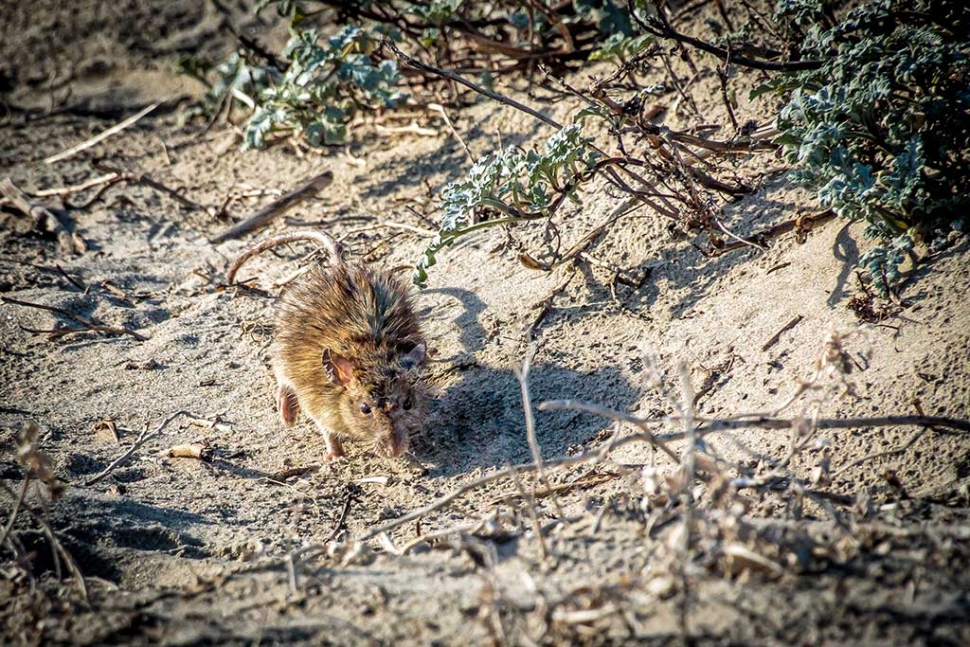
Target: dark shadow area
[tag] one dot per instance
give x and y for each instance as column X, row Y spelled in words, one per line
column 926, row 266
column 90, row 531
column 678, row 265
column 845, row 250
column 479, row 422
column 471, row 335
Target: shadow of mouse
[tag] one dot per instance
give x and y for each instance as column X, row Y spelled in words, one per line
column 479, row 421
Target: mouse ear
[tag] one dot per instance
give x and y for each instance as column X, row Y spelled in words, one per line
column 416, row 356
column 339, row 369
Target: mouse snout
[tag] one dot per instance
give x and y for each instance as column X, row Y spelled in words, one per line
column 398, row 444
column 395, row 443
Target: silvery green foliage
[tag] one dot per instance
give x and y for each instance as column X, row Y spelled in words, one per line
column 235, row 76
column 325, row 83
column 518, row 184
column 883, row 262
column 881, row 128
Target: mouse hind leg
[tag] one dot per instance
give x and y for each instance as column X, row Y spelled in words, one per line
column 287, row 403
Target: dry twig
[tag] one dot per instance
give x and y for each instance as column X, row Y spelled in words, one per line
column 530, row 426
column 448, row 74
column 146, row 180
column 108, row 178
column 142, row 438
column 276, row 208
column 100, row 137
column 88, row 324
column 44, row 218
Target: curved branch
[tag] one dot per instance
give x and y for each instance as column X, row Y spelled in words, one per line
column 663, row 29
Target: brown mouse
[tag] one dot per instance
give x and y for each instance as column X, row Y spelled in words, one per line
column 347, row 351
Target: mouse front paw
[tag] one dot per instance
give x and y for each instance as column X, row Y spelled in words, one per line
column 335, row 449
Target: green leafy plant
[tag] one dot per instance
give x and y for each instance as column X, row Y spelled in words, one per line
column 325, row 83
column 881, row 127
column 311, row 91
column 235, row 78
column 510, row 187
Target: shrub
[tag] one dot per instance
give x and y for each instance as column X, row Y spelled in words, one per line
column 880, row 129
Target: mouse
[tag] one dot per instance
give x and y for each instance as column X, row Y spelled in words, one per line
column 347, row 350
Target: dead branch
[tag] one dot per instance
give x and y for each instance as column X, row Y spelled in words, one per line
column 413, row 62
column 78, row 188
column 44, row 219
column 147, row 180
column 142, row 438
column 88, row 324
column 100, row 137
column 75, row 282
column 756, row 421
column 276, row 208
column 801, row 225
column 788, row 326
column 662, row 28
column 530, row 427
column 341, row 520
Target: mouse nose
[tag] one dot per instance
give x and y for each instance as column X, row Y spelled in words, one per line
column 397, row 444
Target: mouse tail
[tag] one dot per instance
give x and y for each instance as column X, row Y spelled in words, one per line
column 327, row 242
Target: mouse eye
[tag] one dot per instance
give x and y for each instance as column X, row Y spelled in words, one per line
column 407, row 403
column 365, row 408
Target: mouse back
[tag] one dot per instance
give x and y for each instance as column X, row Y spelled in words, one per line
column 349, row 342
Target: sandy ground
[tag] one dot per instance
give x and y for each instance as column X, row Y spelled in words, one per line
column 180, row 552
